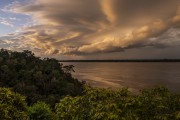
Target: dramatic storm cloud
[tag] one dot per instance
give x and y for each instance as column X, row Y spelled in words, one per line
column 86, row 27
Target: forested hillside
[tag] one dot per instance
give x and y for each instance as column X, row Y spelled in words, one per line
column 38, row 79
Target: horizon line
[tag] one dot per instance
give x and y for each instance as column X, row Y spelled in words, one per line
column 123, row 60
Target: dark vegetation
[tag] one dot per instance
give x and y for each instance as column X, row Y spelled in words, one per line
column 38, row 79
column 43, row 89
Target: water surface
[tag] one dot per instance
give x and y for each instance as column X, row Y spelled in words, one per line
column 136, row 76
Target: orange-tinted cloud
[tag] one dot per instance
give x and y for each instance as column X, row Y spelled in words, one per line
column 98, row 26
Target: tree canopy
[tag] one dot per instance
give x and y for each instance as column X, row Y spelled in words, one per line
column 12, row 105
column 41, row 111
column 38, row 79
column 106, row 104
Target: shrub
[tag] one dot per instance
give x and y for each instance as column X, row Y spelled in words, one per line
column 40, row 111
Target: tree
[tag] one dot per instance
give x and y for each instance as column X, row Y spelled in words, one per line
column 12, row 105
column 105, row 104
column 40, row 111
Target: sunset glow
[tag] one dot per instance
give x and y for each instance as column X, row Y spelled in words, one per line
column 92, row 29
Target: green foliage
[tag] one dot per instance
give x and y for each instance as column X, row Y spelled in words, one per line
column 95, row 104
column 12, row 105
column 37, row 79
column 41, row 111
column 159, row 103
column 105, row 104
column 49, row 81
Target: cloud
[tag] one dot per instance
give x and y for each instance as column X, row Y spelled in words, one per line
column 83, row 27
column 6, row 22
column 138, row 11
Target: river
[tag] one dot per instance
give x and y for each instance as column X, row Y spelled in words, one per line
column 133, row 75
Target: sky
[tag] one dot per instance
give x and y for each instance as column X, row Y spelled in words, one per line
column 92, row 29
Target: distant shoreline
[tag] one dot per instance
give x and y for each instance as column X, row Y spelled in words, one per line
column 140, row 60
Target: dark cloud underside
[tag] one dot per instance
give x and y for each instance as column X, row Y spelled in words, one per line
column 84, row 27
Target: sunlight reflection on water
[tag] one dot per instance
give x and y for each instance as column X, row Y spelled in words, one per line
column 132, row 75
